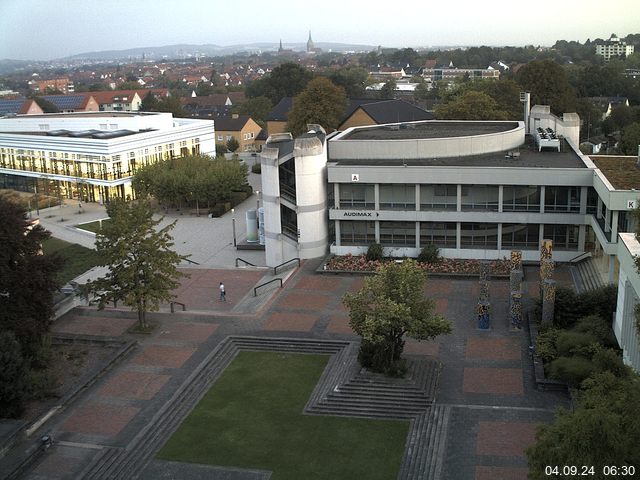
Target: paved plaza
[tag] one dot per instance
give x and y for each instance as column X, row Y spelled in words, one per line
column 486, row 385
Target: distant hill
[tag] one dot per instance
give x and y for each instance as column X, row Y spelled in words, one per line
column 190, row 50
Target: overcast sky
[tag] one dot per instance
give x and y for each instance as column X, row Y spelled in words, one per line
column 47, row 29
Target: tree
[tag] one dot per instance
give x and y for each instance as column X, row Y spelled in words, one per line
column 142, row 266
column 232, row 144
column 630, row 141
column 149, row 103
column 388, row 90
column 46, row 105
column 257, row 108
column 27, row 278
column 172, row 105
column 389, row 306
column 321, row 102
column 603, row 430
column 13, row 374
column 353, row 79
column 286, row 80
column 471, row 105
column 547, row 81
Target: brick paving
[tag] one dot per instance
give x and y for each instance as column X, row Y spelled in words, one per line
column 495, row 381
column 136, row 385
column 504, row 438
column 100, row 419
column 163, row 356
column 486, row 377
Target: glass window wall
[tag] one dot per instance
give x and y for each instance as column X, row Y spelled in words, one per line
column 440, row 234
column 398, row 234
column 398, row 196
column 357, row 196
column 357, row 233
column 564, row 237
column 520, row 236
column 519, row 198
column 479, row 235
column 438, row 197
column 562, row 199
column 480, row 197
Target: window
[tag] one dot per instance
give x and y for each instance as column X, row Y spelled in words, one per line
column 398, row 234
column 525, row 236
column 220, row 138
column 398, row 196
column 479, row 235
column 229, row 137
column 564, row 237
column 480, row 197
column 440, row 234
column 357, row 233
column 357, row 196
column 518, row 198
column 438, row 197
column 562, row 199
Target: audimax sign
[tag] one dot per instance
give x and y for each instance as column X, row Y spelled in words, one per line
column 361, row 214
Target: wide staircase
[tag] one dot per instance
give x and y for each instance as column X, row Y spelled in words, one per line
column 586, row 275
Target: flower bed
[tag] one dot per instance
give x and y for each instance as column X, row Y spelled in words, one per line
column 358, row 263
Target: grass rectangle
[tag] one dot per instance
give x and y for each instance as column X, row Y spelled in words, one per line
column 77, row 259
column 93, row 226
column 252, row 417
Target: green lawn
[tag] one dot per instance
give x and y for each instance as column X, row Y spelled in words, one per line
column 77, row 259
column 92, row 226
column 252, row 418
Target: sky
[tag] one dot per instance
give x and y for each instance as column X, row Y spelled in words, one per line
column 49, row 29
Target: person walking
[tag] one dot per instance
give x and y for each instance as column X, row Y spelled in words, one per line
column 223, row 293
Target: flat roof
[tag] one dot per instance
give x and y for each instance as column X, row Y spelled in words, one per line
column 529, row 157
column 86, row 114
column 429, row 129
column 622, row 172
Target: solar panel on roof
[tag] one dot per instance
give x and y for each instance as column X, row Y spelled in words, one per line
column 65, row 101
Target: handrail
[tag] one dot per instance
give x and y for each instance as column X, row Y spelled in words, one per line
column 583, row 254
column 255, row 290
column 275, row 269
column 244, row 261
column 171, row 304
column 191, row 261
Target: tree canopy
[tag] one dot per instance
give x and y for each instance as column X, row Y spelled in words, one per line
column 353, row 79
column 471, row 105
column 257, row 108
column 286, row 80
column 548, row 83
column 27, row 278
column 630, row 139
column 390, row 305
column 321, row 102
column 188, row 180
column 142, row 265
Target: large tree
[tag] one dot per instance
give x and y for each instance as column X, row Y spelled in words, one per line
column 390, row 305
column 353, row 79
column 321, row 102
column 286, row 80
column 257, row 108
column 630, row 141
column 603, row 429
column 27, row 278
column 142, row 265
column 471, row 105
column 548, row 83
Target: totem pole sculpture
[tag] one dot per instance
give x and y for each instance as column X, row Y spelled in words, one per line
column 484, row 306
column 515, row 283
column 547, row 284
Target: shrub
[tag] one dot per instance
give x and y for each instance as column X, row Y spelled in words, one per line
column 237, row 198
column 256, row 168
column 575, row 343
column 609, row 360
column 569, row 306
column 571, row 370
column 429, row 254
column 221, row 149
column 598, row 327
column 565, row 312
column 546, row 344
column 218, row 210
column 13, row 388
column 375, row 252
column 377, row 358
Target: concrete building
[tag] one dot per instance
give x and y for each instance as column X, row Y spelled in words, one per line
column 93, row 156
column 452, row 73
column 614, row 47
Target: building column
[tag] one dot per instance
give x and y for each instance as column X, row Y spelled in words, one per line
column 614, row 226
column 418, row 235
column 612, row 264
column 336, row 195
column 584, row 192
column 582, row 237
column 500, row 198
column 500, row 229
column 540, row 235
column 337, row 231
column 376, row 199
column 542, row 195
column 458, row 231
column 459, row 202
column 417, row 197
column 599, row 209
column 377, row 231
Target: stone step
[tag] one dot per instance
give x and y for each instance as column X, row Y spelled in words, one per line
column 436, row 443
column 353, row 411
column 102, row 462
column 391, row 404
column 414, row 447
column 381, row 392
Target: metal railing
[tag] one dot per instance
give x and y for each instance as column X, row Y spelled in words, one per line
column 191, row 261
column 171, row 305
column 580, row 257
column 255, row 290
column 275, row 269
column 238, row 259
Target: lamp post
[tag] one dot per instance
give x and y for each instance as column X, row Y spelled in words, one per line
column 233, row 225
column 257, row 200
column 35, row 191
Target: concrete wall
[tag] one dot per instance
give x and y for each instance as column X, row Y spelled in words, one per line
column 628, row 293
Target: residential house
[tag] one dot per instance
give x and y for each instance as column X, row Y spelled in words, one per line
column 19, row 106
column 79, row 102
column 614, row 47
column 241, row 127
column 63, row 85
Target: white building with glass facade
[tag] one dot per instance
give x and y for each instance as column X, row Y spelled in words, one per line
column 93, row 155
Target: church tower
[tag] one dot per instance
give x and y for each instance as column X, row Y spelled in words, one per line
column 280, row 49
column 310, row 45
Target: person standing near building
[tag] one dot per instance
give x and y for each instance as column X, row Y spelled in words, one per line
column 223, row 293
